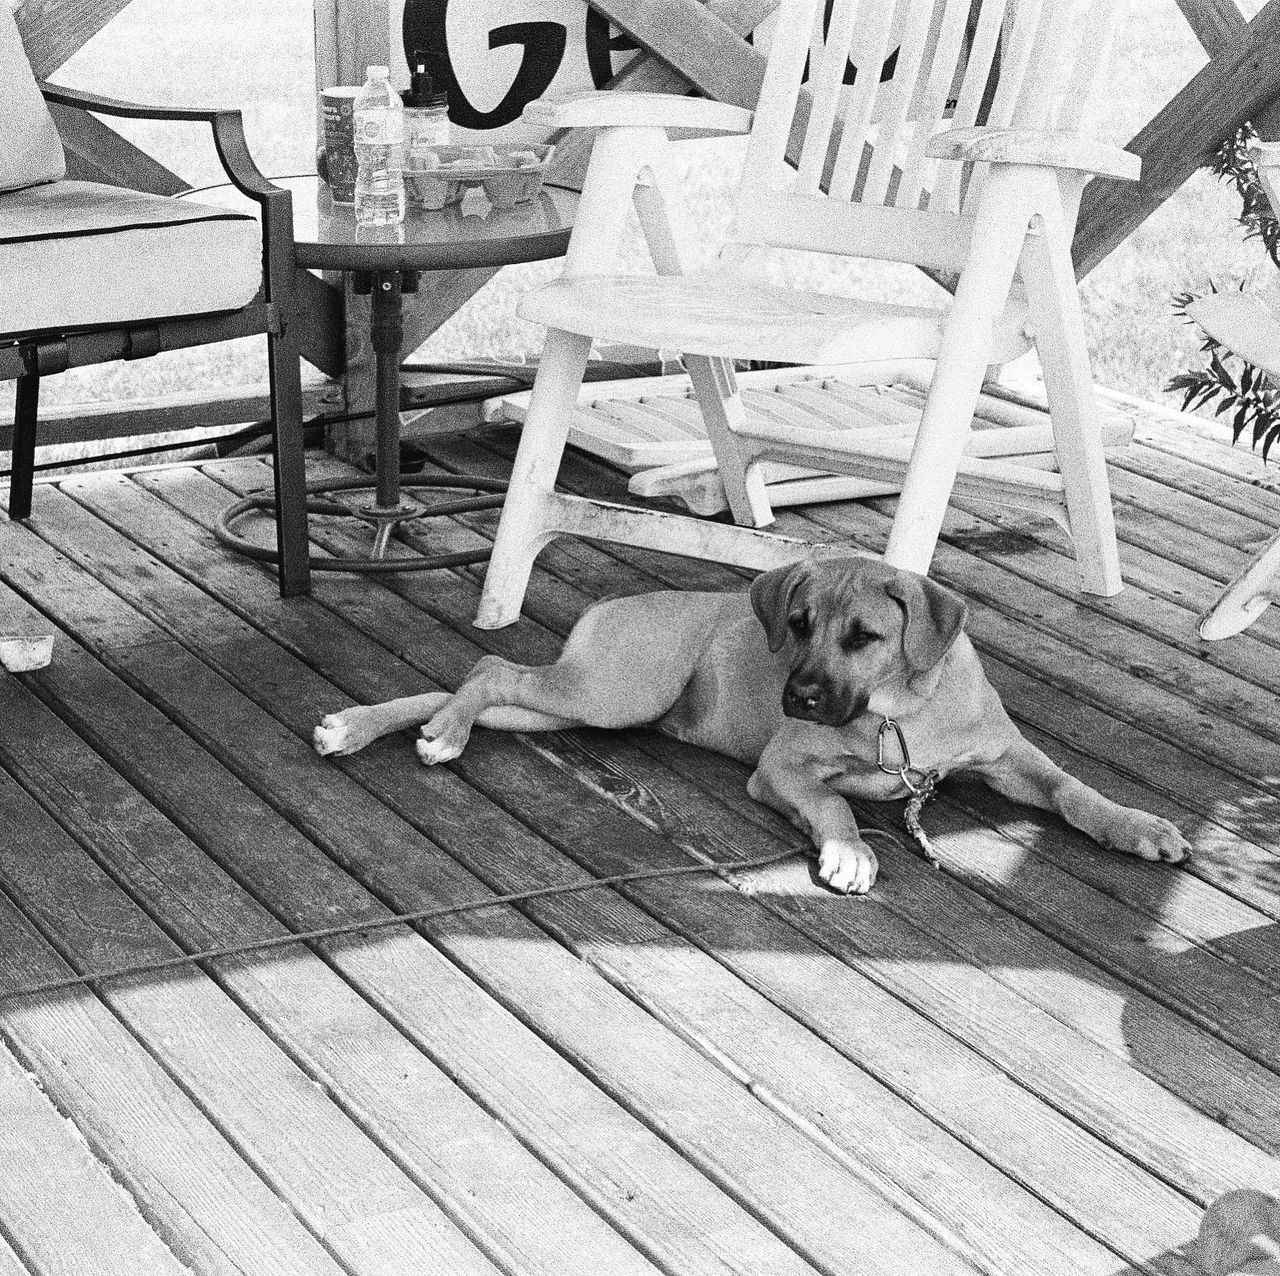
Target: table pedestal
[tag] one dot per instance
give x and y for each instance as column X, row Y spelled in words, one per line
column 389, row 509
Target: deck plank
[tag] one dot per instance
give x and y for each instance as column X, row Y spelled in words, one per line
column 209, row 1207
column 356, row 1202
column 492, row 1187
column 1043, row 1058
column 59, row 1198
column 10, row 1263
column 841, row 1092
column 1247, row 1105
column 619, row 1166
column 1071, row 671
column 824, row 1210
column 391, row 621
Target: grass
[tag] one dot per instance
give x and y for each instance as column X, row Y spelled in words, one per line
column 259, row 56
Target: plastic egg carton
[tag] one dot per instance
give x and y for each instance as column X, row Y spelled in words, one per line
column 509, row 175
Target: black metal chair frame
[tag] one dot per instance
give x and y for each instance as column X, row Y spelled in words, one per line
column 28, row 356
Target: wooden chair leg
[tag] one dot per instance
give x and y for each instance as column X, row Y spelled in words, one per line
column 1054, row 303
column 290, row 465
column 525, row 526
column 23, row 462
column 721, row 404
column 1246, row 597
column 958, row 376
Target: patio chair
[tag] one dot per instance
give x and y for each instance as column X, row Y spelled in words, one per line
column 1249, row 325
column 96, row 272
column 964, row 155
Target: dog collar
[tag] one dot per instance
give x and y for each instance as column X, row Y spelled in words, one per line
column 920, row 787
column 925, row 780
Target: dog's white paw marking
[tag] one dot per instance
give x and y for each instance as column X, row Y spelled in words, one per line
column 334, row 735
column 431, row 752
column 1150, row 837
column 847, row 867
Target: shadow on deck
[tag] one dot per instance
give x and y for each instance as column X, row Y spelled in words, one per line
column 1041, row 1059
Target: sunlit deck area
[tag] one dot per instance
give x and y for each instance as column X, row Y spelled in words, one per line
column 1040, row 1058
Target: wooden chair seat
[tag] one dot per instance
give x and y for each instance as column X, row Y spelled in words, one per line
column 728, row 314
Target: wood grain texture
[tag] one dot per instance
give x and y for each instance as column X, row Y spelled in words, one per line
column 650, row 1073
column 827, row 1086
column 708, row 821
column 644, row 1188
column 52, row 30
column 487, row 1183
column 59, row 1198
column 1077, row 1037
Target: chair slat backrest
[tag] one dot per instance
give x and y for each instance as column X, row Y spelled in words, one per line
column 855, row 89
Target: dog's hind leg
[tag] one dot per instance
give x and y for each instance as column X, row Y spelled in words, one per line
column 502, row 696
column 609, row 674
column 361, row 724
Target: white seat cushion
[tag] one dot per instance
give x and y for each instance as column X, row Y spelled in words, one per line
column 30, row 149
column 724, row 314
column 79, row 254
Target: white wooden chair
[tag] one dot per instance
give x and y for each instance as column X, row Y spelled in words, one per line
column 893, row 166
column 1249, row 325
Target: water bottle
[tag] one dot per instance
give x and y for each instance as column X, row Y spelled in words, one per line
column 379, row 138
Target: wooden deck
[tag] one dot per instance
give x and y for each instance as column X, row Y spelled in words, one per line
column 1042, row 1059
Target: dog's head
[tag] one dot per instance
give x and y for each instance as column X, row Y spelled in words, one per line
column 854, row 626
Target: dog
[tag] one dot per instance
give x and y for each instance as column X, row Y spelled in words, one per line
column 834, row 678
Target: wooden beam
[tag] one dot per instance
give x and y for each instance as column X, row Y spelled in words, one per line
column 97, row 153
column 52, row 30
column 1215, row 22
column 167, row 414
column 1238, row 84
column 698, row 41
column 320, row 323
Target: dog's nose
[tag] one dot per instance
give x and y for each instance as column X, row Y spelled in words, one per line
column 803, row 699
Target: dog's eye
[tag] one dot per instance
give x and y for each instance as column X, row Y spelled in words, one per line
column 798, row 623
column 857, row 639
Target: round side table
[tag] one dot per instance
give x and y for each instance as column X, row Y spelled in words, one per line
column 386, row 262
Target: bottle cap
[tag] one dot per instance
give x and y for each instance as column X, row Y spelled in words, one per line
column 425, row 80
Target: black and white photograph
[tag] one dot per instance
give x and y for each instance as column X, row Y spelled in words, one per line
column 636, row 638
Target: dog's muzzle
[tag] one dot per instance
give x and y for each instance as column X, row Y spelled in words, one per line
column 816, row 700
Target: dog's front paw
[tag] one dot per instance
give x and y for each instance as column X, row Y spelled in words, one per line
column 339, row 733
column 847, row 866
column 1150, row 837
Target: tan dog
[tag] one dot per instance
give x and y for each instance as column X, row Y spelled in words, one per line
column 851, row 679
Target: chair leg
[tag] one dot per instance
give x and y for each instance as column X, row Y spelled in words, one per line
column 525, row 526
column 1054, row 303
column 721, row 404
column 290, row 464
column 23, row 462
column 957, row 381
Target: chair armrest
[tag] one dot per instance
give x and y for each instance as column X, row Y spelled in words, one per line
column 637, row 110
column 83, row 101
column 227, row 124
column 1041, row 147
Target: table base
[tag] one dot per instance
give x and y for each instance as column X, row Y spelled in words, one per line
column 384, row 518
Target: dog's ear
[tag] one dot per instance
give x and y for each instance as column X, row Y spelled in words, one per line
column 771, row 594
column 934, row 617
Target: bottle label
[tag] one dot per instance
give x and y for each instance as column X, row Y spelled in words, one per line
column 426, row 128
column 379, row 127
